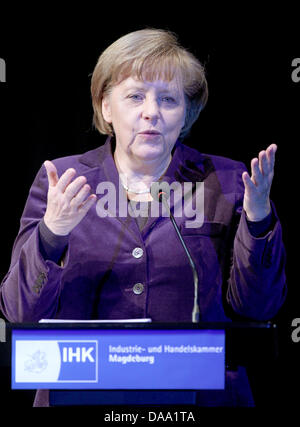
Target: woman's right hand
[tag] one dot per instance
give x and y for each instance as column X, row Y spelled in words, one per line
column 67, row 200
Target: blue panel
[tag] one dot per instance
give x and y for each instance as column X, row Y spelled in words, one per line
column 118, row 359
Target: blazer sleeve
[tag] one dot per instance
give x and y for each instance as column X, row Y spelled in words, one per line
column 257, row 284
column 30, row 290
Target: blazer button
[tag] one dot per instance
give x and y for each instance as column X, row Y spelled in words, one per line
column 138, row 288
column 137, row 252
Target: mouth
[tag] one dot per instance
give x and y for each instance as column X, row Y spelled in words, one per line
column 150, row 133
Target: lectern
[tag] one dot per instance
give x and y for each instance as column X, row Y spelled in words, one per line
column 133, row 362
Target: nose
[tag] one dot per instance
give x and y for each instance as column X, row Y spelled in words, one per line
column 150, row 110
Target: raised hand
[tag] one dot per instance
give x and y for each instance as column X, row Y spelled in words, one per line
column 257, row 188
column 68, row 201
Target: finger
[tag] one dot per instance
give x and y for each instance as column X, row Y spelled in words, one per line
column 75, row 186
column 248, row 183
column 256, row 175
column 65, row 179
column 84, row 207
column 263, row 163
column 81, row 195
column 51, row 173
column 271, row 151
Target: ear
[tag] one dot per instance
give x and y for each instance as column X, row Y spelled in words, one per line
column 106, row 110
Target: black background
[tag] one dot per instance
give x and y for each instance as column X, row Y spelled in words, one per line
column 46, row 113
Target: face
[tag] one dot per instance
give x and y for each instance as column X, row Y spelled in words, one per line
column 147, row 117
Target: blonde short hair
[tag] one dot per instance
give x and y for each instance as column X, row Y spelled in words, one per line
column 148, row 54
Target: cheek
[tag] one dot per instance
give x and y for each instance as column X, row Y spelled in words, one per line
column 176, row 120
column 122, row 118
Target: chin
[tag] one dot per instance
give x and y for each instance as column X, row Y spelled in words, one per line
column 150, row 154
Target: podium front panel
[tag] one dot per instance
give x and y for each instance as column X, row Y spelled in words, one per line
column 118, row 359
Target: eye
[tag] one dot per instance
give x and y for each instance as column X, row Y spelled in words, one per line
column 136, row 97
column 168, row 99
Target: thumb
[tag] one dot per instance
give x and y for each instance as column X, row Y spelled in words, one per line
column 51, row 173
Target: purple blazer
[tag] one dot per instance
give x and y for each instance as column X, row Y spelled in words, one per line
column 239, row 274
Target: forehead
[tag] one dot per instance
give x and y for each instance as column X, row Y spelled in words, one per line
column 157, row 84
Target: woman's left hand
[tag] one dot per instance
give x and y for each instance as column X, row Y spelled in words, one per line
column 257, row 188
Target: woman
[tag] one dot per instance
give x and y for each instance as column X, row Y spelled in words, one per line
column 69, row 261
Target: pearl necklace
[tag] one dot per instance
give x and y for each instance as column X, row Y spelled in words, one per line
column 135, row 192
column 132, row 191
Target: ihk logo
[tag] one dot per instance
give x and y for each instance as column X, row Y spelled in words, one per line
column 79, row 361
column 80, row 354
column 62, row 361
